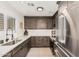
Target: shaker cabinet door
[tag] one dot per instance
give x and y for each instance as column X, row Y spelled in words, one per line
column 40, row 42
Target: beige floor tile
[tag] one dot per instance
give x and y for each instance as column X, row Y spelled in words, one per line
column 40, row 52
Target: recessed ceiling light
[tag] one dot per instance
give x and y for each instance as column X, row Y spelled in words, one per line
column 40, row 9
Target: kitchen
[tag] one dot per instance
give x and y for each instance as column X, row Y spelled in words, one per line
column 38, row 29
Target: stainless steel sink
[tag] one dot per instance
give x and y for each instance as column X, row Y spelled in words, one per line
column 11, row 43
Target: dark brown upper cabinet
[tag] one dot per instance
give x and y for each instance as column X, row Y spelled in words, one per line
column 38, row 22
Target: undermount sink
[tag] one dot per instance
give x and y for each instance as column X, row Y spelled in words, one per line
column 11, row 43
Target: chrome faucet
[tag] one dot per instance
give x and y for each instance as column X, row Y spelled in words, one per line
column 9, row 34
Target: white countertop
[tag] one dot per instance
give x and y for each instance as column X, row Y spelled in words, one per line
column 5, row 49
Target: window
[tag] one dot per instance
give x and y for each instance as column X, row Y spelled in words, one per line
column 11, row 23
column 1, row 22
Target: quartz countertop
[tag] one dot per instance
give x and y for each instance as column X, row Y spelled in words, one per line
column 5, row 49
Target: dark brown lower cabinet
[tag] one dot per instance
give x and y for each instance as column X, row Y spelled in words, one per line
column 21, row 50
column 40, row 41
column 52, row 46
column 8, row 54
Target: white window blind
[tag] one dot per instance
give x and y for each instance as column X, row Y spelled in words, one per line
column 1, row 22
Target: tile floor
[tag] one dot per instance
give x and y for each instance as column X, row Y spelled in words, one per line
column 40, row 52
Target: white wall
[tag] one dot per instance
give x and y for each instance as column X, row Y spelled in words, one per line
column 41, row 32
column 8, row 11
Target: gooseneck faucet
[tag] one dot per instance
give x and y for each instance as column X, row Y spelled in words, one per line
column 9, row 34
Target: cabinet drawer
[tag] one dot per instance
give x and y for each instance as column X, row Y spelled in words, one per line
column 40, row 41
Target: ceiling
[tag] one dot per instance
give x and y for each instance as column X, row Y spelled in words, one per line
column 29, row 8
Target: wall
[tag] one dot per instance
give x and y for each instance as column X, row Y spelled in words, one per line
column 8, row 11
column 39, row 32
